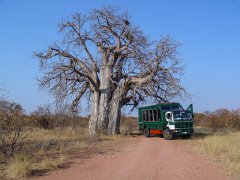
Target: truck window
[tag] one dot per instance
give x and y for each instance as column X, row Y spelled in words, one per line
column 144, row 115
column 166, row 108
column 147, row 115
column 150, row 115
column 155, row 115
column 159, row 114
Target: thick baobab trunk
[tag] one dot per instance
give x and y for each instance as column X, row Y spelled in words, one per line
column 105, row 88
column 93, row 122
column 106, row 112
column 114, row 118
column 115, row 111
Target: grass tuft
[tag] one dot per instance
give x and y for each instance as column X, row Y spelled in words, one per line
column 19, row 167
column 225, row 147
column 52, row 163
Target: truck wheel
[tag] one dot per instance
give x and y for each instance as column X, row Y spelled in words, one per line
column 146, row 132
column 167, row 134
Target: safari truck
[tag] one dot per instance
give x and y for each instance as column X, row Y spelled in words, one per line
column 168, row 120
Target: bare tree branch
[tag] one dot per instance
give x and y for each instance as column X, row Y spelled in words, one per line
column 105, row 57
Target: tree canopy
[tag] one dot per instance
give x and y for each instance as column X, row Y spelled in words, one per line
column 105, row 57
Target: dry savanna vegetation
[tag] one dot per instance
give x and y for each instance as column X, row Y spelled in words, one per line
column 221, row 137
column 224, row 148
column 104, row 60
column 33, row 144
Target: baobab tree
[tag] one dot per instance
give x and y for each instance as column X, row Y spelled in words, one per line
column 108, row 59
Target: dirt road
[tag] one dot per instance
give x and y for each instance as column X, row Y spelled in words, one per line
column 146, row 158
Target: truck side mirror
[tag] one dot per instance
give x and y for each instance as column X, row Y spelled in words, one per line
column 168, row 116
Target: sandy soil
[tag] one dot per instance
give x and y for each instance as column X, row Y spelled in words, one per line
column 145, row 158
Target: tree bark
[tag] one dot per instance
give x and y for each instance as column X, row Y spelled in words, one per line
column 114, row 118
column 93, row 121
column 105, row 89
column 106, row 111
column 115, row 111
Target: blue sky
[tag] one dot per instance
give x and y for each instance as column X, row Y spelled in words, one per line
column 209, row 32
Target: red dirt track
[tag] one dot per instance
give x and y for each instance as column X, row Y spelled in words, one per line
column 145, row 159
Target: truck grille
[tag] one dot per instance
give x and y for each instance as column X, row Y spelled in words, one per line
column 184, row 127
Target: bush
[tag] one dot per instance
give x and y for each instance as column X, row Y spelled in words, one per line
column 42, row 116
column 45, row 118
column 12, row 130
column 219, row 119
column 128, row 125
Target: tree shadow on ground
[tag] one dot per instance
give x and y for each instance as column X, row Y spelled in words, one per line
column 43, row 172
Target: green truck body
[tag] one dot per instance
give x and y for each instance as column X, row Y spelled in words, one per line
column 168, row 119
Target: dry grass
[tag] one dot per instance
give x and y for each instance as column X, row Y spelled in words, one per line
column 56, row 148
column 128, row 125
column 52, row 163
column 224, row 147
column 19, row 167
column 22, row 165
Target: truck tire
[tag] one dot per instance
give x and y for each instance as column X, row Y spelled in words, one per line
column 146, row 132
column 167, row 134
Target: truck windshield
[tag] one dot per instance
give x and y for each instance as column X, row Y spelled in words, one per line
column 182, row 116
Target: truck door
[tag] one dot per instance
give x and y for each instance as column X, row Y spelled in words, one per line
column 190, row 108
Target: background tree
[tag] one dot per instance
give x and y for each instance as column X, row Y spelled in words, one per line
column 43, row 116
column 106, row 58
column 12, row 130
column 46, row 117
